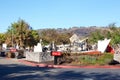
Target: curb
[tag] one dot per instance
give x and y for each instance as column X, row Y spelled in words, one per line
column 67, row 66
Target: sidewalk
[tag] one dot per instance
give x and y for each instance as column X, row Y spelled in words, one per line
column 49, row 65
column 66, row 66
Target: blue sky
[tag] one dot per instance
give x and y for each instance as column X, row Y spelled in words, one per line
column 59, row 13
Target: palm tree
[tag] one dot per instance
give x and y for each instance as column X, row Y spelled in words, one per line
column 21, row 33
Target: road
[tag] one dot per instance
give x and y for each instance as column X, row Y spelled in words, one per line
column 11, row 69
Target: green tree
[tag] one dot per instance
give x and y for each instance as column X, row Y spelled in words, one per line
column 32, row 38
column 21, row 33
column 95, row 36
column 48, row 36
column 63, row 38
column 115, row 33
column 111, row 32
column 2, row 38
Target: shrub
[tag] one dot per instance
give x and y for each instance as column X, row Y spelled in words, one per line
column 10, row 55
column 101, row 59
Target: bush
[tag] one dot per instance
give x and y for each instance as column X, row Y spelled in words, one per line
column 10, row 55
column 105, row 58
column 101, row 59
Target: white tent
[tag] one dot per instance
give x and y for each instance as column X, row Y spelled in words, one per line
column 102, row 45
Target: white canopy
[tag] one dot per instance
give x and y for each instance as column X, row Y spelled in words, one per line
column 102, row 45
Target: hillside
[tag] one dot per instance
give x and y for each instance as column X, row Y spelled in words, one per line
column 80, row 31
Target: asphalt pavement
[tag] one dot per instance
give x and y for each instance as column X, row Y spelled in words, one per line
column 12, row 69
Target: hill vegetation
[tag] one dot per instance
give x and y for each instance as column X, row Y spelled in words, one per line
column 21, row 33
column 94, row 33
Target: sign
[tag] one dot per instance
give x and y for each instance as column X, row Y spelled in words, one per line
column 13, row 50
column 56, row 53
